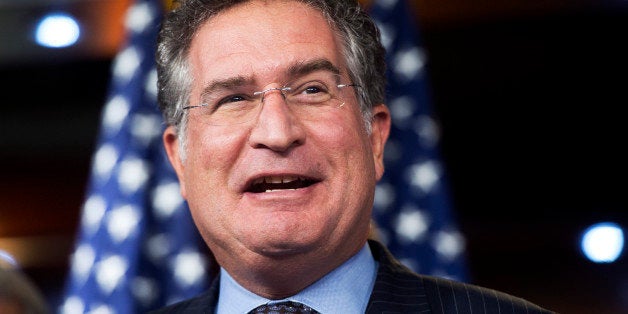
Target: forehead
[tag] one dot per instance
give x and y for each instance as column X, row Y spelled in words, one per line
column 262, row 39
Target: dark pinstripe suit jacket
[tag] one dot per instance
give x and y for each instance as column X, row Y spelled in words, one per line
column 398, row 290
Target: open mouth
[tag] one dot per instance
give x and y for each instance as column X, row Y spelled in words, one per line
column 279, row 183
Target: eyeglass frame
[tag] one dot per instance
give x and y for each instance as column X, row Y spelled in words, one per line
column 282, row 90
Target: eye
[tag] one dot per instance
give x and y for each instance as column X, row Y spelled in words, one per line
column 312, row 88
column 229, row 102
column 311, row 93
column 231, row 99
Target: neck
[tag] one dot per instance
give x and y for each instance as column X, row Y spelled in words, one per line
column 279, row 277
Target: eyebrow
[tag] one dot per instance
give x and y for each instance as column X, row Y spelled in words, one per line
column 307, row 67
column 226, row 84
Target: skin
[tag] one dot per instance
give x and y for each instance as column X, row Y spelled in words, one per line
column 276, row 244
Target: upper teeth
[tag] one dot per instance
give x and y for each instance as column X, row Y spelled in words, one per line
column 276, row 179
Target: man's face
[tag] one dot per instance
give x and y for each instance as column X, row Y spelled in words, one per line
column 336, row 161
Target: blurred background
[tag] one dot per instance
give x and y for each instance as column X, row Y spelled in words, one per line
column 529, row 97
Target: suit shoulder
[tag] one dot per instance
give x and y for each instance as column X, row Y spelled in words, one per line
column 449, row 296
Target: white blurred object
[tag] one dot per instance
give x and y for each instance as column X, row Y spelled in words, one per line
column 57, row 30
column 603, row 242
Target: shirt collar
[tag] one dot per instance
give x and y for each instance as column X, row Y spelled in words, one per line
column 336, row 292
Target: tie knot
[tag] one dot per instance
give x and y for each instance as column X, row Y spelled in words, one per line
column 283, row 308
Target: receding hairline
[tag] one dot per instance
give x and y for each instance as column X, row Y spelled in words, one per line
column 294, row 69
column 352, row 47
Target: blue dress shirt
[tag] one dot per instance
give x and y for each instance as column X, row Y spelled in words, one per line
column 346, row 289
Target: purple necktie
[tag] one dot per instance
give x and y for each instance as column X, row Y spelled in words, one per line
column 283, row 308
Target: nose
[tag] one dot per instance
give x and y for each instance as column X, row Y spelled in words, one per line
column 276, row 127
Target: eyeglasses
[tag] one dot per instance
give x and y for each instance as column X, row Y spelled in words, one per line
column 309, row 97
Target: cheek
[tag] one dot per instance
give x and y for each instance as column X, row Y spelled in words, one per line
column 210, row 157
column 212, row 151
column 342, row 129
column 348, row 139
column 347, row 148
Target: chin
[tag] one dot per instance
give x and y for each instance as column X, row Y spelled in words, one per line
column 285, row 246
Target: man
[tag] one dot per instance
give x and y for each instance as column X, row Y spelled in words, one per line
column 277, row 126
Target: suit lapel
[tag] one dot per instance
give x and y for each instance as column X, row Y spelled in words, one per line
column 396, row 289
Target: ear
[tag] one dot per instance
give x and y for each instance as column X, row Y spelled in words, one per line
column 380, row 129
column 171, row 144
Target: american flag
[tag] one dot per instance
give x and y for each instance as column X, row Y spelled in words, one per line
column 138, row 249
column 412, row 207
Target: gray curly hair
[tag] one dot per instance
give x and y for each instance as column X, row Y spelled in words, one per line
column 362, row 50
